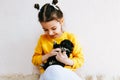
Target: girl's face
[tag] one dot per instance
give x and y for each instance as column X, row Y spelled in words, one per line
column 52, row 28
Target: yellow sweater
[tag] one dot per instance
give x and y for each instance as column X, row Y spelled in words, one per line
column 45, row 45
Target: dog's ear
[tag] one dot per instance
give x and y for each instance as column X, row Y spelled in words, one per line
column 55, row 45
column 66, row 43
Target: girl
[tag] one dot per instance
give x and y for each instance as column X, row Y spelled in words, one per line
column 51, row 19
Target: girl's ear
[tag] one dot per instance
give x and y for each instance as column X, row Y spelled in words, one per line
column 62, row 21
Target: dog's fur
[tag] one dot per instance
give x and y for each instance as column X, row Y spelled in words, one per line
column 65, row 45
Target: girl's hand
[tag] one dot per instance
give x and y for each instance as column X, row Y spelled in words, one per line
column 54, row 52
column 62, row 57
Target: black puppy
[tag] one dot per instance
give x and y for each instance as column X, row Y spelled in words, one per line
column 65, row 45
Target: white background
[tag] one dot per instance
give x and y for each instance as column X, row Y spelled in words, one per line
column 95, row 22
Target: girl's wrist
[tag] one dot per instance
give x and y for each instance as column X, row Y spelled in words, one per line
column 45, row 57
column 48, row 55
column 69, row 62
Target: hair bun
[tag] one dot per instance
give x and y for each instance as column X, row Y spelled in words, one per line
column 37, row 6
column 55, row 2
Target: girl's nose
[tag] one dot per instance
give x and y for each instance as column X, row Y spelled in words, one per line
column 50, row 32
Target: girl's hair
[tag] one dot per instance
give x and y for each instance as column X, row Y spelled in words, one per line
column 49, row 12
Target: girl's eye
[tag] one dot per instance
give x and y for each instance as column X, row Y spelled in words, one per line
column 53, row 28
column 45, row 30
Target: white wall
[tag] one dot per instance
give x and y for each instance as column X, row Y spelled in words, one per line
column 95, row 22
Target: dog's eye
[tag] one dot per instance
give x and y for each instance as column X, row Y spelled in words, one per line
column 65, row 49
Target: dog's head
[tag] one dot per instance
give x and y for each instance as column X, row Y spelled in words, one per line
column 65, row 45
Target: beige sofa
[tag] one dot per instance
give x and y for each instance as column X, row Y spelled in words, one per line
column 79, row 72
column 36, row 77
